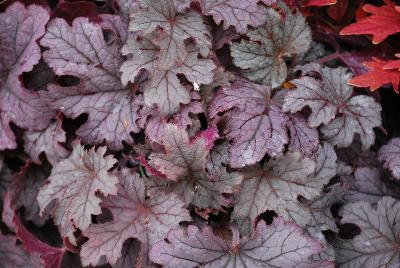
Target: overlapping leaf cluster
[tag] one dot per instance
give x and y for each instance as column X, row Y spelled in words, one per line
column 191, row 133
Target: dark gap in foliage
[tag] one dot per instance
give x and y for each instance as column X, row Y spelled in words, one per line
column 348, row 231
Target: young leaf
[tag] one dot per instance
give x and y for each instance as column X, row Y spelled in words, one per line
column 376, row 245
column 134, row 216
column 164, row 87
column 239, row 14
column 383, row 21
column 20, row 29
column 48, row 141
column 73, row 183
column 378, row 75
column 176, row 29
column 278, row 185
column 278, row 245
column 389, row 154
column 330, row 97
column 184, row 164
column 80, row 50
column 262, row 57
column 257, row 125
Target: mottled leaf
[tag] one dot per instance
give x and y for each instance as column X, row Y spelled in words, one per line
column 262, row 57
column 48, row 141
column 376, row 245
column 184, row 164
column 134, row 216
column 278, row 245
column 389, row 154
column 20, row 29
column 256, row 125
column 73, row 183
column 332, row 104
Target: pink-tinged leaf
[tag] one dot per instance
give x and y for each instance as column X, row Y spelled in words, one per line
column 257, row 126
column 280, row 244
column 24, row 190
column 164, row 88
column 319, row 3
column 73, row 183
column 239, row 14
column 48, row 141
column 80, row 50
column 376, row 245
column 302, row 137
column 184, row 163
column 152, row 171
column 368, row 184
column 377, row 75
column 20, row 29
column 134, row 216
column 51, row 257
column 383, row 21
column 13, row 256
column 332, row 104
column 176, row 29
column 262, row 57
column 354, row 61
column 389, row 154
column 210, row 135
column 278, row 185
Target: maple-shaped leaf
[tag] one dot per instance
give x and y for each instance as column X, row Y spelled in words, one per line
column 184, row 165
column 13, row 255
column 333, row 105
column 176, row 28
column 389, row 154
column 278, row 185
column 262, row 57
column 134, row 216
column 280, row 244
column 20, row 29
column 73, row 184
column 368, row 184
column 80, row 50
column 164, row 88
column 377, row 75
column 257, row 125
column 239, row 14
column 376, row 245
column 24, row 190
column 48, row 141
column 383, row 21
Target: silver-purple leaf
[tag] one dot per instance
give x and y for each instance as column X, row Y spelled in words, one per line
column 184, row 164
column 262, row 57
column 134, row 216
column 20, row 29
column 377, row 244
column 389, row 154
column 48, row 141
column 332, row 104
column 257, row 126
column 176, row 29
column 74, row 183
column 368, row 184
column 302, row 137
column 239, row 14
column 80, row 50
column 280, row 244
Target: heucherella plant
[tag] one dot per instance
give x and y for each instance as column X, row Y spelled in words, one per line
column 198, row 133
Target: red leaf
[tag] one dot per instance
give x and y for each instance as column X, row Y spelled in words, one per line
column 378, row 75
column 384, row 21
column 319, row 3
